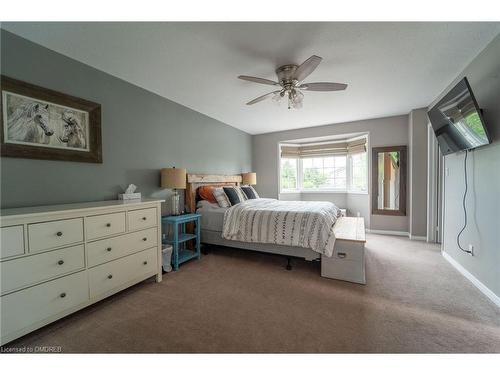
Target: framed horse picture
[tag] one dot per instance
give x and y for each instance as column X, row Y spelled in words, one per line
column 39, row 123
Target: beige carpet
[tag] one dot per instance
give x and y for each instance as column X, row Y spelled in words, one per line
column 240, row 301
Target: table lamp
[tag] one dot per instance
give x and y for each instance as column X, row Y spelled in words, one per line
column 249, row 178
column 174, row 178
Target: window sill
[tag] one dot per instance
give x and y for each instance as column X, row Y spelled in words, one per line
column 358, row 192
column 305, row 191
column 324, row 192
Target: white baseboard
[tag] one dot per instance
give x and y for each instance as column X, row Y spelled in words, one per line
column 391, row 232
column 478, row 284
column 417, row 238
column 397, row 233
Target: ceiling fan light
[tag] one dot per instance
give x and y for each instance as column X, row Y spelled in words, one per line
column 276, row 98
column 298, row 96
column 297, row 104
column 296, row 99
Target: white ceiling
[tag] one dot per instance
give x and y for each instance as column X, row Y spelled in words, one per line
column 391, row 68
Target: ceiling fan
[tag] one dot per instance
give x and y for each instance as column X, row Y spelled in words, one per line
column 289, row 79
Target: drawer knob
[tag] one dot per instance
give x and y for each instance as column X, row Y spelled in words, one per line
column 144, row 218
column 59, row 234
column 62, row 295
column 108, row 225
column 144, row 239
column 61, row 262
column 110, row 276
column 108, row 249
column 341, row 255
column 145, row 262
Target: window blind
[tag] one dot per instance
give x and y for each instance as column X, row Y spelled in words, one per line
column 327, row 149
column 357, row 146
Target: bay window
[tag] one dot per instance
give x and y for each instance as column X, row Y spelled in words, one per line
column 340, row 166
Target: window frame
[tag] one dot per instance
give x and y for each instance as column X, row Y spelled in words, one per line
column 350, row 188
column 281, row 189
column 300, row 179
column 300, row 176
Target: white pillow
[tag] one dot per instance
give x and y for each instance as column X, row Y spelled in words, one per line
column 221, row 197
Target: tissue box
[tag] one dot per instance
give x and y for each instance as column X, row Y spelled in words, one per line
column 126, row 196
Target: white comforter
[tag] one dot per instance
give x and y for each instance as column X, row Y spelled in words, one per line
column 291, row 223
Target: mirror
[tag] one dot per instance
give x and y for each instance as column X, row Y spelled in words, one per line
column 389, row 180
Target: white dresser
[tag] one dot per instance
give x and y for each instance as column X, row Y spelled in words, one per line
column 55, row 260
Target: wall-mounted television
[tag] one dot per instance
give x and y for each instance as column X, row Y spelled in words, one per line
column 457, row 120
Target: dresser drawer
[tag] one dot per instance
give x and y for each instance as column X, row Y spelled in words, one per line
column 139, row 219
column 38, row 303
column 103, row 251
column 11, row 241
column 22, row 272
column 43, row 236
column 105, row 225
column 112, row 275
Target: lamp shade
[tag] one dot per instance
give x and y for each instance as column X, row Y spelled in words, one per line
column 173, row 178
column 249, row 178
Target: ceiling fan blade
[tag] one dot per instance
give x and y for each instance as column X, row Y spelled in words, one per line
column 306, row 68
column 262, row 97
column 258, row 80
column 323, row 86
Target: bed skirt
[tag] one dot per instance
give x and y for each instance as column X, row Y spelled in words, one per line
column 215, row 238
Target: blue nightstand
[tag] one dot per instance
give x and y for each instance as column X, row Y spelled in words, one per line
column 180, row 253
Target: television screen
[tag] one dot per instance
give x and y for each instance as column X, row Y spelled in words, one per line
column 457, row 120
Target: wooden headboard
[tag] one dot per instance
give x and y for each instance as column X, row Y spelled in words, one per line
column 194, row 181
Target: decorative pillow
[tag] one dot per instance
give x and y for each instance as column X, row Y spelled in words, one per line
column 250, row 192
column 221, row 197
column 207, row 193
column 241, row 193
column 234, row 194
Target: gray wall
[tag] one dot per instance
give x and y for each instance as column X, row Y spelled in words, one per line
column 141, row 133
column 483, row 202
column 417, row 172
column 359, row 204
column 388, row 131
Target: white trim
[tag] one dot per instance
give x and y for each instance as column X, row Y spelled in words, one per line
column 478, row 284
column 361, row 192
column 417, row 238
column 397, row 233
column 293, row 192
column 409, row 187
column 389, row 232
column 323, row 191
column 432, row 178
column 313, row 191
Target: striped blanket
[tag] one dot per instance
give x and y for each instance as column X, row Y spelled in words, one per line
column 291, row 223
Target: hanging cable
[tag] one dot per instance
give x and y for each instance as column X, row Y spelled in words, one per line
column 464, row 206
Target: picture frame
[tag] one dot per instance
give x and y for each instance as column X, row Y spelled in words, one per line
column 39, row 123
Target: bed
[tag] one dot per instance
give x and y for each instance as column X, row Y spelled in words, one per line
column 315, row 238
column 212, row 221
